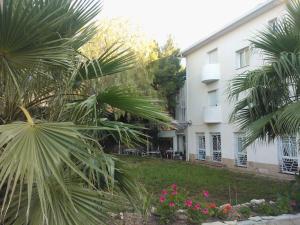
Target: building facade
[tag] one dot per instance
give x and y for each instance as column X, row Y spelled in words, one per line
column 210, row 64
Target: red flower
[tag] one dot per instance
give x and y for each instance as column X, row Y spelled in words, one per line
column 188, row 203
column 204, row 211
column 162, row 199
column 174, row 193
column 172, row 204
column 227, row 208
column 197, row 206
column 212, row 206
column 205, row 194
column 164, row 192
column 174, row 186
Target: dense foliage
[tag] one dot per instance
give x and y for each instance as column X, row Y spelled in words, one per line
column 121, row 31
column 169, row 75
column 53, row 113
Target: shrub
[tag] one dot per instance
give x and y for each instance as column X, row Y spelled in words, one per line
column 228, row 212
column 282, row 206
column 245, row 211
column 200, row 210
column 170, row 201
column 197, row 211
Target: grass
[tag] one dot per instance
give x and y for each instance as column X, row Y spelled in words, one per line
column 224, row 186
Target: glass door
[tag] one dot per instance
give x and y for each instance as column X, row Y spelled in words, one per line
column 216, row 147
column 201, row 147
column 240, row 153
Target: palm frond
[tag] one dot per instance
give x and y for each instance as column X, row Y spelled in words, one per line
column 112, row 61
column 129, row 101
column 267, row 98
column 289, row 119
column 42, row 32
column 83, row 206
column 50, row 146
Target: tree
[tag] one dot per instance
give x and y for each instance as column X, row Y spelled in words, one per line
column 120, row 31
column 268, row 104
column 169, row 76
column 52, row 114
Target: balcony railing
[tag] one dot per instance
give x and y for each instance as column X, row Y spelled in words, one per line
column 212, row 114
column 211, row 73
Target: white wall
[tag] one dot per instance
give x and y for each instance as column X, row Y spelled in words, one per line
column 197, row 91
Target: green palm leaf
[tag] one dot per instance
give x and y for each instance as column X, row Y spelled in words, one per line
column 267, row 98
column 83, row 206
column 50, row 146
column 113, row 60
column 129, row 101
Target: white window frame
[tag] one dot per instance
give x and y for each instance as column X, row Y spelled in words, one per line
column 216, row 153
column 201, row 147
column 290, row 159
column 242, row 53
column 212, row 60
column 241, row 156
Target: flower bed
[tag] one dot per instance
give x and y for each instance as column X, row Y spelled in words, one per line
column 174, row 205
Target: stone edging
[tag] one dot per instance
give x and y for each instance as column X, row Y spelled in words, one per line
column 285, row 219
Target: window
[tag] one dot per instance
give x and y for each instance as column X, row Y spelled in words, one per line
column 213, row 99
column 289, row 154
column 201, row 147
column 240, row 153
column 273, row 24
column 216, row 147
column 243, row 57
column 213, row 56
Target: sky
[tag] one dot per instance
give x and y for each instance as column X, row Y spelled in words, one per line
column 187, row 21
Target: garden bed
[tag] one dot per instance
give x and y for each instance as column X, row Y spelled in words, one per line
column 200, row 193
column 175, row 208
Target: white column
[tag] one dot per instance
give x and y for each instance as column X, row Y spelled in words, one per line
column 175, row 147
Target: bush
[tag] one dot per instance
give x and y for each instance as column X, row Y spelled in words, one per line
column 197, row 210
column 202, row 208
column 227, row 212
column 170, row 201
column 245, row 211
column 282, row 206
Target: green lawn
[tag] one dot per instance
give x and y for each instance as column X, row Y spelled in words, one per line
column 156, row 174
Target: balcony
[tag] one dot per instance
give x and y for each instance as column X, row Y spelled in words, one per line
column 212, row 114
column 211, row 73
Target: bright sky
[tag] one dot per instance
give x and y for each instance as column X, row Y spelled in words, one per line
column 186, row 20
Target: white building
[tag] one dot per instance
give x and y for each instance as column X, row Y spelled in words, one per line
column 210, row 64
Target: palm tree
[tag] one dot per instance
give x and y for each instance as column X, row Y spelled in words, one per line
column 268, row 105
column 52, row 168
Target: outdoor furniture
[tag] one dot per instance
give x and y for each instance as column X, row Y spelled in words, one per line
column 154, row 153
column 131, row 151
column 177, row 156
column 170, row 154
